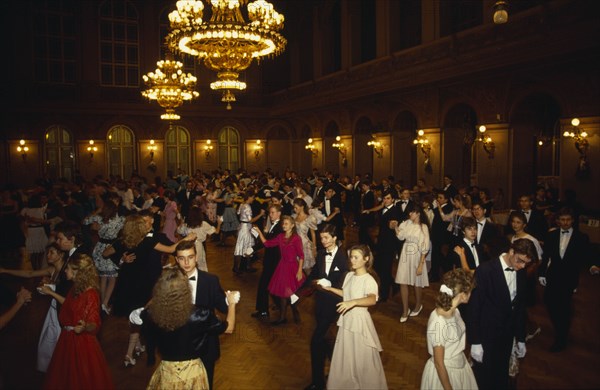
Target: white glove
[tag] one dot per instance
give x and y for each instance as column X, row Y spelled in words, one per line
column 435, row 204
column 542, row 280
column 521, row 350
column 477, row 353
column 324, row 282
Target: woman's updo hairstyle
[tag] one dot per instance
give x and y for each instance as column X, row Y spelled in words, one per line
column 456, row 281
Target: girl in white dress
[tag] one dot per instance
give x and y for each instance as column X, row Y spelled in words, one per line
column 411, row 267
column 448, row 367
column 245, row 240
column 195, row 223
column 35, row 237
column 356, row 361
column 306, row 227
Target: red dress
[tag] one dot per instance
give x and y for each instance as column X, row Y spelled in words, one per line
column 78, row 361
column 284, row 282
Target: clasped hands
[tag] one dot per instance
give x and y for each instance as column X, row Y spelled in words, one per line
column 477, row 351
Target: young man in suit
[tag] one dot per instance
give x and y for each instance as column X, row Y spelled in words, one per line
column 270, row 261
column 488, row 238
column 467, row 247
column 497, row 314
column 440, row 237
column 565, row 251
column 367, row 219
column 332, row 209
column 387, row 244
column 536, row 221
column 331, row 264
column 402, row 204
column 186, row 196
column 206, row 292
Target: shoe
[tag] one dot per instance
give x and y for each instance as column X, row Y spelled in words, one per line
column 129, row 361
column 105, row 309
column 404, row 319
column 139, row 350
column 279, row 322
column 260, row 314
column 532, row 335
column 415, row 313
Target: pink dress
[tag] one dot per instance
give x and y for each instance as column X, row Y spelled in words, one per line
column 284, row 283
column 170, row 220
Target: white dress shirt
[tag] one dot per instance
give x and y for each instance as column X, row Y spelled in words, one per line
column 193, row 284
column 480, row 226
column 473, row 251
column 510, row 276
column 329, row 259
column 565, row 237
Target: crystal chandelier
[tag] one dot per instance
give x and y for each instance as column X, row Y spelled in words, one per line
column 227, row 43
column 170, row 87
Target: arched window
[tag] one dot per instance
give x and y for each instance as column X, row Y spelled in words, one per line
column 58, row 153
column 229, row 148
column 119, row 42
column 120, row 151
column 178, row 149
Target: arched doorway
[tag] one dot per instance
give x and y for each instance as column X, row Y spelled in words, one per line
column 459, row 132
column 177, row 141
column 229, row 148
column 121, row 159
column 405, row 157
column 535, row 118
column 58, row 153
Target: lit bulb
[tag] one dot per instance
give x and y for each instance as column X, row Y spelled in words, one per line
column 575, row 122
column 482, row 129
column 500, row 16
column 421, row 133
column 540, row 142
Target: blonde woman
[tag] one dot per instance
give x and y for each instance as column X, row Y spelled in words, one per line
column 179, row 330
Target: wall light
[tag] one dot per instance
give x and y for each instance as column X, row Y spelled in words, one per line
column 92, row 149
column 377, row 147
column 207, row 148
column 501, row 12
column 488, row 145
column 582, row 145
column 341, row 149
column 257, row 149
column 312, row 148
column 423, row 143
column 152, row 148
column 23, row 149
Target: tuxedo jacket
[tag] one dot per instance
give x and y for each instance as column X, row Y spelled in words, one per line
column 439, row 227
column 403, row 215
column 273, row 254
column 492, row 316
column 468, row 254
column 492, row 243
column 326, row 302
column 536, row 226
column 186, row 200
column 387, row 242
column 563, row 272
column 367, row 202
column 210, row 294
column 338, row 220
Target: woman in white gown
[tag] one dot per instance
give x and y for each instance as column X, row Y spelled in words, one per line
column 448, row 367
column 356, row 361
column 245, row 240
column 306, row 227
column 195, row 223
column 411, row 267
column 35, row 236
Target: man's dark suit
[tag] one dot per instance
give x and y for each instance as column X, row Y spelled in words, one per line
column 270, row 261
column 403, row 214
column 562, row 277
column 440, row 239
column 494, row 321
column 210, row 294
column 468, row 254
column 366, row 219
column 185, row 199
column 338, row 220
column 491, row 242
column 536, row 225
column 325, row 310
column 387, row 249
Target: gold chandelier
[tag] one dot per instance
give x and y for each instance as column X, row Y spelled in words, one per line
column 227, row 43
column 170, row 87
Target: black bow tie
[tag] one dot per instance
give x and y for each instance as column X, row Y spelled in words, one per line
column 480, row 223
column 565, row 231
column 404, row 201
column 526, row 212
column 509, row 269
column 329, row 253
column 473, row 245
column 193, row 278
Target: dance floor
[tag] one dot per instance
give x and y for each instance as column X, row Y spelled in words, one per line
column 261, row 356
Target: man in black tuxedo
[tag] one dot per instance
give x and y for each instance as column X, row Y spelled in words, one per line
column 387, row 244
column 186, row 196
column 402, row 204
column 565, row 251
column 536, row 221
column 206, row 292
column 367, row 219
column 440, row 237
column 270, row 261
column 449, row 187
column 331, row 264
column 497, row 314
column 489, row 240
column 69, row 239
column 467, row 247
column 332, row 209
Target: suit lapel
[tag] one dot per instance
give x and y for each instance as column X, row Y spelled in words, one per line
column 501, row 283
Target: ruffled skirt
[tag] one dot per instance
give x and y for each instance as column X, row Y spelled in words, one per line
column 188, row 374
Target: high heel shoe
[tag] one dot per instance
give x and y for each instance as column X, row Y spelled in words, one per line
column 139, row 350
column 105, row 309
column 404, row 319
column 416, row 312
column 129, row 361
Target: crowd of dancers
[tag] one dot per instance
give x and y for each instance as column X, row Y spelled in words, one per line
column 127, row 248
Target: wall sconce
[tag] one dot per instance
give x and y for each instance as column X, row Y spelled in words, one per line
column 23, row 149
column 377, row 147
column 312, row 148
column 257, row 149
column 207, row 148
column 582, row 145
column 152, row 148
column 92, row 149
column 341, row 149
column 501, row 12
column 488, row 145
column 423, row 143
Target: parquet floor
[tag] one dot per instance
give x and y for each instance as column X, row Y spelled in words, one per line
column 260, row 356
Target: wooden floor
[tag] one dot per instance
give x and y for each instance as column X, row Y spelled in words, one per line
column 260, row 356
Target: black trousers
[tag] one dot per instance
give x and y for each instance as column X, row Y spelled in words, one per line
column 209, row 365
column 558, row 302
column 320, row 349
column 493, row 372
column 383, row 266
column 262, row 292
